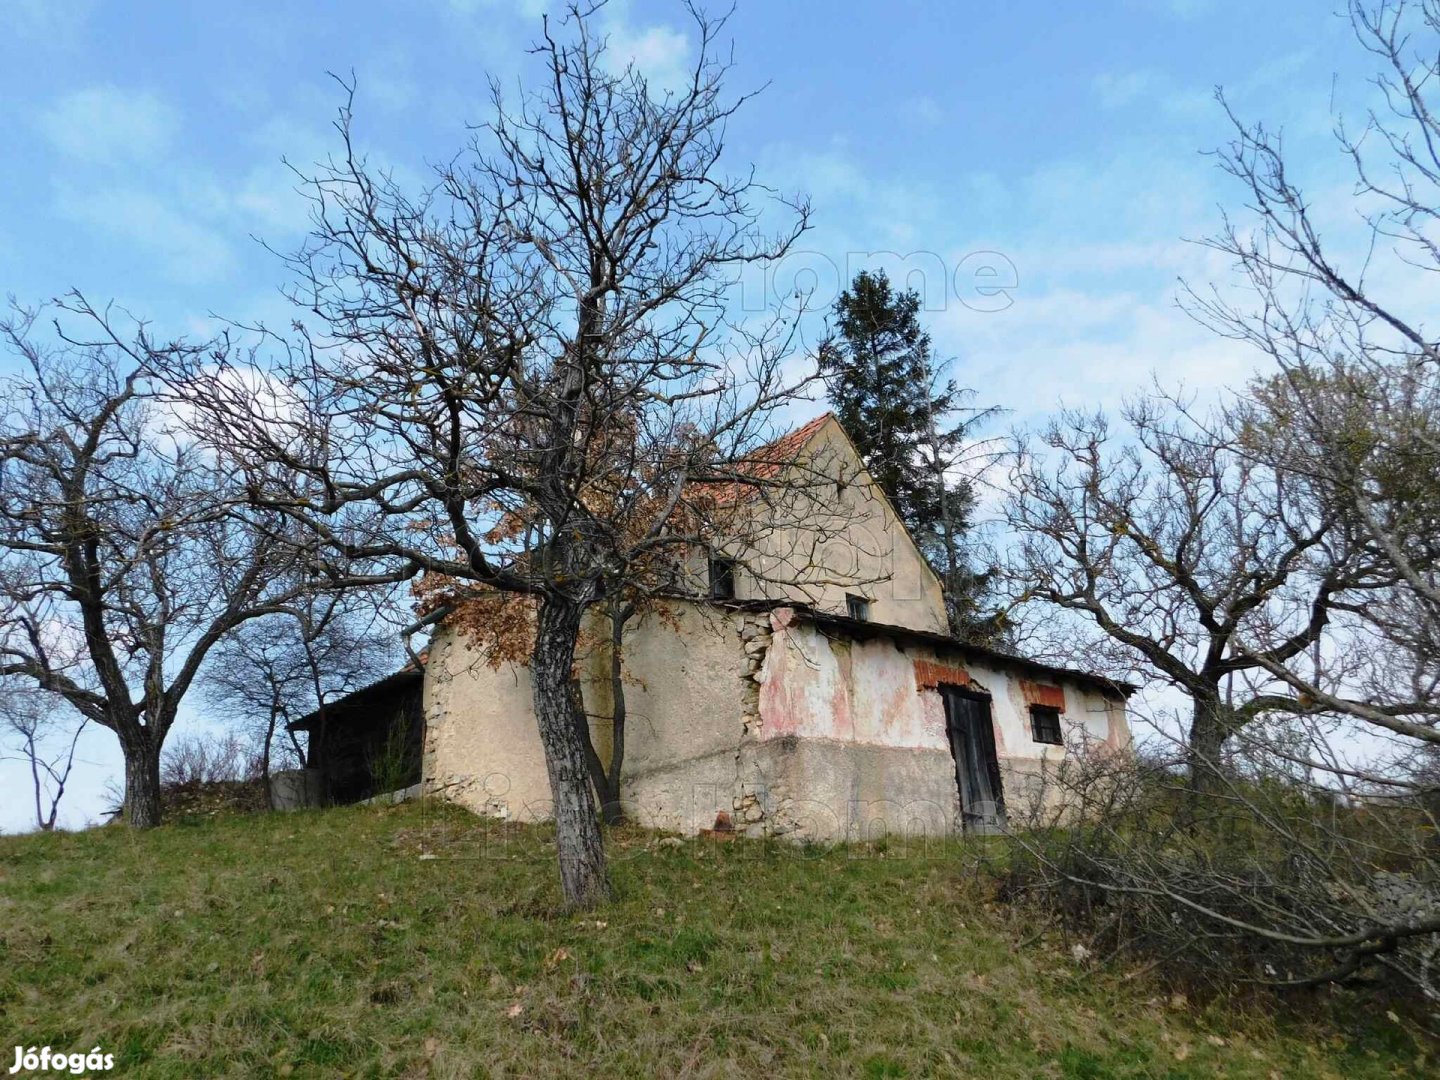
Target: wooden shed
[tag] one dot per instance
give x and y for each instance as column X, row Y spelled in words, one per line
column 368, row 742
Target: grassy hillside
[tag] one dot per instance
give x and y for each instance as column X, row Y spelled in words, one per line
column 418, row 941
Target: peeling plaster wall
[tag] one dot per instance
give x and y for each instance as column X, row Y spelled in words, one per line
column 688, row 694
column 764, row 717
column 864, row 724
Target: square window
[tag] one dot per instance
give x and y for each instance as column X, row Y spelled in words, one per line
column 857, row 607
column 1045, row 724
column 722, row 578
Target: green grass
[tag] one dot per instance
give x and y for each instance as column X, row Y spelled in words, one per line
column 323, row 944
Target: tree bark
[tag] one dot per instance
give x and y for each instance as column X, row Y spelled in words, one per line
column 610, row 807
column 583, row 876
column 142, row 782
column 265, row 756
column 34, row 753
column 593, row 765
column 1209, row 728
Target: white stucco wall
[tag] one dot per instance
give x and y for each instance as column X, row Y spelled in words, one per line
column 766, row 717
column 482, row 747
column 685, row 695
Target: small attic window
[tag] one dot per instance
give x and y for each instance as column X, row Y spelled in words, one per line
column 722, row 578
column 857, row 607
column 1045, row 725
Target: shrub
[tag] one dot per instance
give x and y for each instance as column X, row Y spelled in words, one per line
column 201, row 759
column 1265, row 880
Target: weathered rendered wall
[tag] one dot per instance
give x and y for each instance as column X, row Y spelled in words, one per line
column 851, row 739
column 853, row 542
column 685, row 697
column 482, row 748
column 762, row 716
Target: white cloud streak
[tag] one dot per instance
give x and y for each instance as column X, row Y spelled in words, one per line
column 110, row 125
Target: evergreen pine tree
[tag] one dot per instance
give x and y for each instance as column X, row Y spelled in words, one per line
column 904, row 419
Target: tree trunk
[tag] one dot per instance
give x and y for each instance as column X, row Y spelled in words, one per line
column 32, row 751
column 583, row 876
column 142, row 782
column 265, row 757
column 610, row 807
column 593, row 765
column 1209, row 728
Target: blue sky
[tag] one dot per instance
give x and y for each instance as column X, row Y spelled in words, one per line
column 142, row 145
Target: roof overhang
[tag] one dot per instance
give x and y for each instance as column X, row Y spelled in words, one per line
column 356, row 698
column 865, row 630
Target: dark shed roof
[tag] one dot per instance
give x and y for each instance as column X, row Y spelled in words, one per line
column 404, row 679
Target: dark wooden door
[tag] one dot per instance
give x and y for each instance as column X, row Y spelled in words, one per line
column 977, row 769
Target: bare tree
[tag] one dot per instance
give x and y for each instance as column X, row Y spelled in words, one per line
column 1353, row 413
column 1316, row 859
column 197, row 761
column 123, row 556
column 526, row 378
column 1181, row 551
column 1309, row 869
column 272, row 671
column 44, row 741
column 1361, row 446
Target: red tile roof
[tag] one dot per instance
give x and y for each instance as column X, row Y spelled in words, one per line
column 774, row 455
column 766, row 462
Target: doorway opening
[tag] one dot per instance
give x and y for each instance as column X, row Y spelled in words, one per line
column 977, row 768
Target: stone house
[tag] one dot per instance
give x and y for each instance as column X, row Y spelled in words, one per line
column 812, row 708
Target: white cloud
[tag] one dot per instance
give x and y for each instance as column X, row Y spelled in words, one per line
column 393, row 90
column 924, row 110
column 1270, row 85
column 187, row 249
column 1093, row 317
column 110, row 124
column 1153, row 90
column 1087, row 347
column 657, row 52
column 270, row 197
